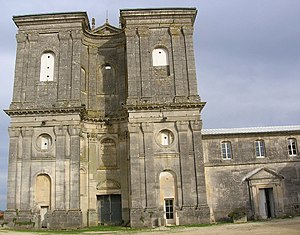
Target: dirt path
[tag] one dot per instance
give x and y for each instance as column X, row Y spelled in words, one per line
column 274, row 227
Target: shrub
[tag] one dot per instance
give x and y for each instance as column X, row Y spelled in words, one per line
column 237, row 213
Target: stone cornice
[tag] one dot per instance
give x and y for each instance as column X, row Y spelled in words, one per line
column 25, row 112
column 153, row 106
column 121, row 116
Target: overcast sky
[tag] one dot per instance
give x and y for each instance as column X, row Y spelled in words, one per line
column 247, row 58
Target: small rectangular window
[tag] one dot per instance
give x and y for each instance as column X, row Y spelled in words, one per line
column 169, row 208
column 259, row 148
column 292, row 146
column 226, row 150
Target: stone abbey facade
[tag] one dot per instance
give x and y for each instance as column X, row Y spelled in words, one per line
column 106, row 129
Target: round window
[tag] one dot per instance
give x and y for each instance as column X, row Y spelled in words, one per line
column 165, row 137
column 44, row 142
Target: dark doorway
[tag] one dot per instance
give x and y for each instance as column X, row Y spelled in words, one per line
column 266, row 205
column 109, row 209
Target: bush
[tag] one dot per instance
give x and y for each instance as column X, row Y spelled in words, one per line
column 237, row 213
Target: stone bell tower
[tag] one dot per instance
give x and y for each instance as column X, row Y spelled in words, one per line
column 167, row 180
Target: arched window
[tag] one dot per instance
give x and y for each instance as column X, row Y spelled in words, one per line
column 160, row 57
column 47, row 67
column 226, row 150
column 106, row 83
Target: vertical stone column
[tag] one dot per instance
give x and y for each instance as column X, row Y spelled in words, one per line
column 60, row 201
column 135, row 179
column 133, row 65
column 149, row 166
column 123, row 163
column 63, row 89
column 14, row 134
column 92, row 214
column 76, row 65
column 27, row 133
column 19, row 70
column 196, row 127
column 190, row 60
column 74, row 132
column 178, row 62
column 142, row 165
column 145, row 62
column 186, row 165
column 92, row 75
column 33, row 64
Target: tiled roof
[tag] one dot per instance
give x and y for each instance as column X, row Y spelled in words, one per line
column 248, row 130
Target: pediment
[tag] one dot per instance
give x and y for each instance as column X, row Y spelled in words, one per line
column 262, row 173
column 108, row 185
column 106, row 30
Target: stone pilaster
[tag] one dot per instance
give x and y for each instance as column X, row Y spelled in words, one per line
column 75, row 167
column 26, row 168
column 92, row 75
column 64, row 78
column 33, row 64
column 151, row 200
column 145, row 62
column 178, row 62
column 133, row 62
column 76, row 65
column 135, row 179
column 60, row 199
column 196, row 127
column 14, row 134
column 20, row 68
column 186, row 165
column 190, row 60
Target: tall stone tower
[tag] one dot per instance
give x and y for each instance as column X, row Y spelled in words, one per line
column 105, row 122
column 167, row 182
column 46, row 111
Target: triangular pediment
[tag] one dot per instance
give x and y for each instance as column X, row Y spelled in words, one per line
column 108, row 185
column 106, row 30
column 262, row 173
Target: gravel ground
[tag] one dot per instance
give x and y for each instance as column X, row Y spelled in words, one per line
column 274, row 227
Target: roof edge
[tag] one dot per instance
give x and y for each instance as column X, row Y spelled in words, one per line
column 251, row 130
